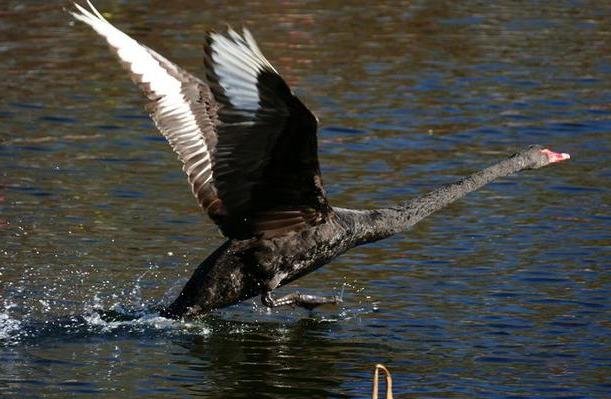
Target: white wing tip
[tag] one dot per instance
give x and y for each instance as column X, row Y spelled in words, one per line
column 244, row 44
column 85, row 15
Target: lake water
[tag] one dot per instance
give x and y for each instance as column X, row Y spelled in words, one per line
column 505, row 294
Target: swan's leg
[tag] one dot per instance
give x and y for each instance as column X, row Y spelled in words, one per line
column 296, row 299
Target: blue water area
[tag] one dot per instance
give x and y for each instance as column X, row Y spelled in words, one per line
column 503, row 294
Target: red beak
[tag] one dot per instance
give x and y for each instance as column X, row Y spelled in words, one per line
column 555, row 156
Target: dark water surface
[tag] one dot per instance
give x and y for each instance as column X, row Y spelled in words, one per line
column 505, row 294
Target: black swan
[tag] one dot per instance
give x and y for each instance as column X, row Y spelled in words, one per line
column 248, row 146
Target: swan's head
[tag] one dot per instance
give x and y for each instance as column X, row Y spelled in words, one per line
column 542, row 156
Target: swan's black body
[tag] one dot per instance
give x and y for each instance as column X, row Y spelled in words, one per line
column 242, row 269
column 249, row 148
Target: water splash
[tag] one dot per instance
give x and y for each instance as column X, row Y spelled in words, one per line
column 37, row 307
column 8, row 325
column 35, row 311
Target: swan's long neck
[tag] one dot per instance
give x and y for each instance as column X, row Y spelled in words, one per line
column 374, row 225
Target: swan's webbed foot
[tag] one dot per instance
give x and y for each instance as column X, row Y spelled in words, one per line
column 296, row 299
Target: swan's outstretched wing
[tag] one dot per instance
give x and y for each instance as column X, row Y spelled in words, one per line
column 247, row 144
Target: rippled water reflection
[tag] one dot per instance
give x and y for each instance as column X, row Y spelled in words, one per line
column 502, row 295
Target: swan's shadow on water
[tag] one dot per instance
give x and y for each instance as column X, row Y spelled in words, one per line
column 305, row 358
